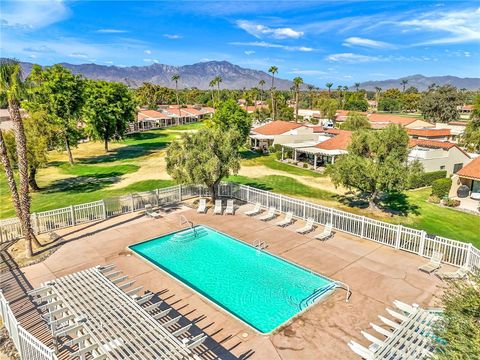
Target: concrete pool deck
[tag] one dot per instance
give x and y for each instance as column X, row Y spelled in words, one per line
column 376, row 274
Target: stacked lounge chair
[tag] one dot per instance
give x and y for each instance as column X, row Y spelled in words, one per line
column 217, row 210
column 150, row 212
column 230, row 209
column 454, row 275
column 327, row 233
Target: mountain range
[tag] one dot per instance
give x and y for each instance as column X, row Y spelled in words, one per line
column 423, row 82
column 197, row 75
column 233, row 76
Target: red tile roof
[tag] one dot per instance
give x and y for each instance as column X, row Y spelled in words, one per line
column 429, row 132
column 471, row 170
column 142, row 114
column 192, row 111
column 338, row 142
column 278, row 127
column 435, row 144
column 179, row 112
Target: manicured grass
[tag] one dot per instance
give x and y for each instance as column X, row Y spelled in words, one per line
column 284, row 185
column 95, row 170
column 271, row 162
column 193, row 126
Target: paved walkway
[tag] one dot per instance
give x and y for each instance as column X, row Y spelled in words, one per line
column 376, row 274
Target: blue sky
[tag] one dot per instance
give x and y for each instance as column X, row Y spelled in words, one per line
column 321, row 41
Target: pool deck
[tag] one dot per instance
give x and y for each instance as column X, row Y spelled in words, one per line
column 376, row 274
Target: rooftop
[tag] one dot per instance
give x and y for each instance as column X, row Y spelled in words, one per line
column 471, row 170
column 429, row 132
column 277, row 127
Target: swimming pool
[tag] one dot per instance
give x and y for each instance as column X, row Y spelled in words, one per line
column 261, row 289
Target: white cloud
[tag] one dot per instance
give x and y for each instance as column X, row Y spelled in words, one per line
column 78, row 55
column 147, row 52
column 111, row 31
column 461, row 26
column 172, row 36
column 108, row 62
column 155, row 61
column 249, row 52
column 38, row 49
column 33, row 14
column 307, row 72
column 351, row 58
column 275, row 46
column 260, row 31
column 357, row 41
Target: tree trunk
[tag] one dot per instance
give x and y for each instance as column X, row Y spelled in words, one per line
column 10, row 178
column 21, row 145
column 31, row 178
column 273, row 106
column 106, row 144
column 213, row 192
column 296, row 106
column 372, row 201
column 69, row 151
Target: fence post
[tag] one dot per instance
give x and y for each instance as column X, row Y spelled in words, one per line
column 72, row 215
column 421, row 248
column 331, row 217
column 397, row 239
column 104, row 209
column 132, row 202
column 180, row 190
column 469, row 254
column 304, row 209
column 157, row 193
column 280, row 202
column 248, row 194
column 363, row 228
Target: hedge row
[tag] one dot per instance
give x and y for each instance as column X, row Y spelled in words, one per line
column 426, row 179
column 441, row 187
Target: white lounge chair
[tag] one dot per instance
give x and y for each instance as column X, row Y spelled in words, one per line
column 202, row 206
column 307, row 228
column 286, row 221
column 256, row 210
column 433, row 264
column 230, row 209
column 218, row 207
column 150, row 212
column 361, row 350
column 454, row 275
column 269, row 215
column 327, row 233
column 397, row 315
column 409, row 309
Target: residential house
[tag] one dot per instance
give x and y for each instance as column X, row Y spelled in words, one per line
column 264, row 136
column 431, row 134
column 438, row 155
column 152, row 119
column 469, row 176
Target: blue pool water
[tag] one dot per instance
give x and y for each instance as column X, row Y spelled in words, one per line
column 261, row 289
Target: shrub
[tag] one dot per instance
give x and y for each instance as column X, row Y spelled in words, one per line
column 425, row 179
column 451, row 202
column 441, row 187
column 305, row 166
column 434, row 199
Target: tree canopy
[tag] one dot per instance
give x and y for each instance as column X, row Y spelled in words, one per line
column 376, row 162
column 471, row 137
column 459, row 326
column 108, row 109
column 229, row 115
column 355, row 121
column 439, row 104
column 57, row 93
column 205, row 157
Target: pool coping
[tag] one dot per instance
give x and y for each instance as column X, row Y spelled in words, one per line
column 276, row 329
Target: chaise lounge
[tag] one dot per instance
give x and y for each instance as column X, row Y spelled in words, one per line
column 433, row 264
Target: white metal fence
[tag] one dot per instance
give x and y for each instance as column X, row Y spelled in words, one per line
column 27, row 345
column 397, row 236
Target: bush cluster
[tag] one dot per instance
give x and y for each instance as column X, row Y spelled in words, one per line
column 426, row 179
column 441, row 187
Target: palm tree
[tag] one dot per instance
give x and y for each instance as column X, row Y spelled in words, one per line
column 404, row 83
column 13, row 89
column 218, row 80
column 357, row 86
column 378, row 90
column 297, row 82
column 212, row 85
column 310, row 94
column 273, row 70
column 175, row 78
column 261, row 83
column 329, row 86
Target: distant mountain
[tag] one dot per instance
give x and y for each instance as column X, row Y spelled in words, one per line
column 197, row 75
column 423, row 82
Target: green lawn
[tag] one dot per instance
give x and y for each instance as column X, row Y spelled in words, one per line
column 95, row 174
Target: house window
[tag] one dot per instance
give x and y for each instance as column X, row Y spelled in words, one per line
column 457, row 167
column 442, row 167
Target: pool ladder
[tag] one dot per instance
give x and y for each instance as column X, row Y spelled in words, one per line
column 184, row 220
column 259, row 244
